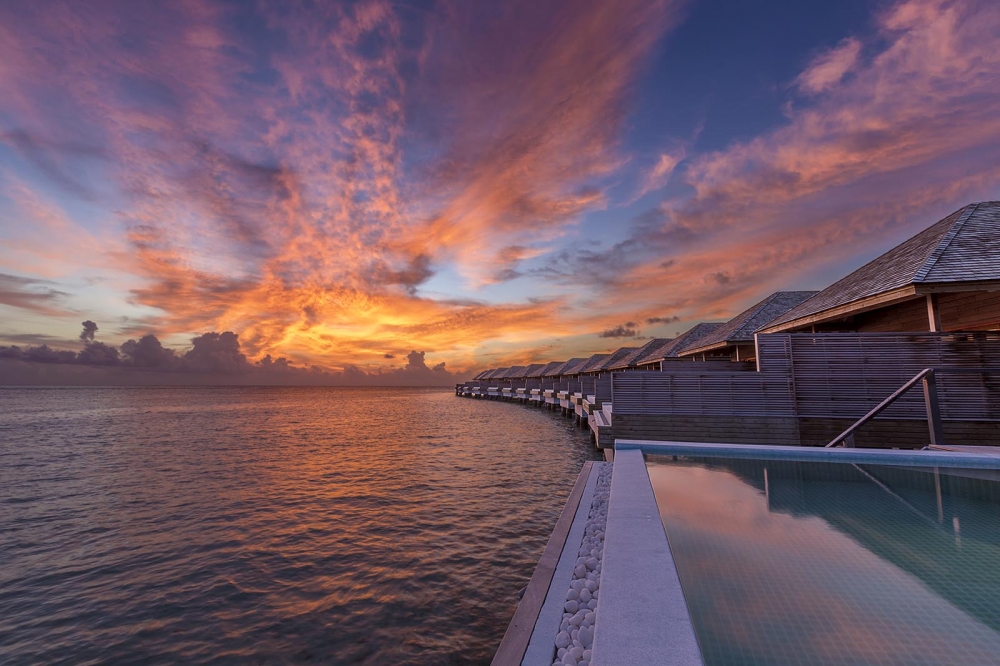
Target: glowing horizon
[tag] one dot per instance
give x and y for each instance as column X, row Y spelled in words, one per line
column 348, row 183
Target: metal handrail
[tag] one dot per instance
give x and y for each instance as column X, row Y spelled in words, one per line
column 930, row 402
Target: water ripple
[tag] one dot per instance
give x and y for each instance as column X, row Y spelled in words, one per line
column 263, row 525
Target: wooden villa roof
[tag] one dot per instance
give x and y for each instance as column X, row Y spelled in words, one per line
column 533, row 370
column 482, row 374
column 631, row 360
column 496, row 374
column 573, row 366
column 962, row 250
column 594, row 362
column 741, row 328
column 672, row 348
column 615, row 357
column 547, row 370
column 515, row 372
column 561, row 370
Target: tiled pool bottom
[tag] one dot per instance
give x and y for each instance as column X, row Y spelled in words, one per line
column 833, row 563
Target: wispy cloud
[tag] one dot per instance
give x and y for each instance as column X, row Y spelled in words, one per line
column 31, row 294
column 829, row 67
column 869, row 157
column 305, row 173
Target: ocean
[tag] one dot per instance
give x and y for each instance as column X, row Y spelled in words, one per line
column 271, row 525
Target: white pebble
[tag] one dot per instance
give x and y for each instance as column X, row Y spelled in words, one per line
column 576, row 630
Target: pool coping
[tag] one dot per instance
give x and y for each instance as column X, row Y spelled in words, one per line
column 904, row 457
column 642, row 617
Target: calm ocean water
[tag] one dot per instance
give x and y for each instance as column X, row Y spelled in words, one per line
column 270, row 525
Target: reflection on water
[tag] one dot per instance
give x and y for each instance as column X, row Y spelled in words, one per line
column 270, row 525
column 817, row 563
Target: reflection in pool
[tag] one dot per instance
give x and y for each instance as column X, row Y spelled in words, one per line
column 828, row 563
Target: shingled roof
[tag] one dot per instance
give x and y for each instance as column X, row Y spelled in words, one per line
column 547, row 370
column 614, row 358
column 594, row 363
column 742, row 327
column 514, row 372
column 573, row 366
column 632, row 359
column 533, row 370
column 963, row 247
column 561, row 370
column 496, row 374
column 672, row 348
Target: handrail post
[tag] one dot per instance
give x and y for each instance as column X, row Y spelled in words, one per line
column 933, row 410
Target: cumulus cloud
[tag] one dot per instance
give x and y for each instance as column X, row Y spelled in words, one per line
column 88, row 332
column 98, row 353
column 148, row 352
column 626, row 330
column 213, row 357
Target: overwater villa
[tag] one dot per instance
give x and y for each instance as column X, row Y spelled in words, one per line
column 803, row 458
column 818, row 360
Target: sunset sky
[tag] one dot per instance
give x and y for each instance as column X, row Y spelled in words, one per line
column 342, row 183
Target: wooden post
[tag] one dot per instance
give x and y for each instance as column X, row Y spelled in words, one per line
column 933, row 314
column 933, row 410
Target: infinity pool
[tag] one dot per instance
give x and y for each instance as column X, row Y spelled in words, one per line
column 819, row 563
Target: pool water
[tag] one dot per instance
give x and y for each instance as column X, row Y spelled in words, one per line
column 831, row 563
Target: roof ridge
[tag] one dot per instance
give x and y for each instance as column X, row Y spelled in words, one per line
column 945, row 241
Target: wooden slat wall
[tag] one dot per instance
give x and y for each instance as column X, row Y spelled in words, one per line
column 843, row 375
column 603, row 387
column 704, row 393
column 828, row 375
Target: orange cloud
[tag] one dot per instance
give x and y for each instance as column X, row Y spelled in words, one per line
column 871, row 157
column 318, row 182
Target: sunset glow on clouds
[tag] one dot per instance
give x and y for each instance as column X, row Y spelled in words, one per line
column 341, row 183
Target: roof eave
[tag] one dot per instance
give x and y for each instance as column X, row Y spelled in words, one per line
column 956, row 286
column 712, row 347
column 892, row 297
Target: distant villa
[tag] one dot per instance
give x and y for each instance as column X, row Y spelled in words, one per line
column 801, row 367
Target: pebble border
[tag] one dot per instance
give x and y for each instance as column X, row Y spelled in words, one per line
column 575, row 640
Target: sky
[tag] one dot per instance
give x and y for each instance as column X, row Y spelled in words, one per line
column 342, row 184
